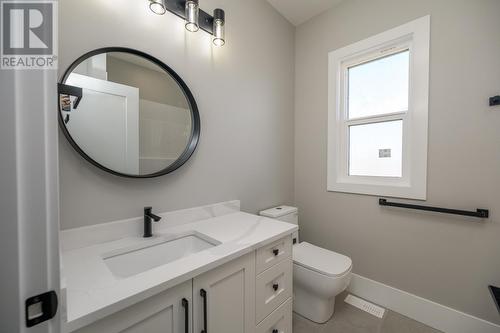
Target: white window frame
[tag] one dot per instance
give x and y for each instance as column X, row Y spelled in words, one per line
column 414, row 36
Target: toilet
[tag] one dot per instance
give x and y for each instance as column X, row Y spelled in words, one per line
column 318, row 274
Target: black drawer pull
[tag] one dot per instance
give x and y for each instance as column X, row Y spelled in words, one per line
column 203, row 294
column 276, row 252
column 185, row 305
column 275, row 286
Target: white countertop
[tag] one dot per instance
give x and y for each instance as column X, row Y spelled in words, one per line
column 93, row 292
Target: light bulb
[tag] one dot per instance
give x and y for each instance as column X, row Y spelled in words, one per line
column 219, row 27
column 158, row 6
column 192, row 11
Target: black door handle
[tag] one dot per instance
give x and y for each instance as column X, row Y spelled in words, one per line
column 185, row 305
column 276, row 252
column 203, row 295
column 275, row 286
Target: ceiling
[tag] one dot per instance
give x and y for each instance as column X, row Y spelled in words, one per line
column 299, row 11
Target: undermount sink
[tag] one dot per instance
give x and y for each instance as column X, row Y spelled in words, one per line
column 131, row 261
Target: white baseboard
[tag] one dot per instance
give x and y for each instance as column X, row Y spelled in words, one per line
column 420, row 309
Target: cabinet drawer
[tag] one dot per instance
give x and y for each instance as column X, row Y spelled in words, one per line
column 273, row 287
column 280, row 320
column 273, row 253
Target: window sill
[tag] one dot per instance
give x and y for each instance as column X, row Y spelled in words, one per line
column 401, row 190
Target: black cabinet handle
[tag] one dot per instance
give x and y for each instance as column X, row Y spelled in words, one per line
column 275, row 286
column 275, row 331
column 276, row 252
column 185, row 305
column 203, row 295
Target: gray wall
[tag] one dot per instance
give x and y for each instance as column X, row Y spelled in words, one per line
column 244, row 92
column 450, row 260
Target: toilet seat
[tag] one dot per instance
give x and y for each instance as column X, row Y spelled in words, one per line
column 320, row 260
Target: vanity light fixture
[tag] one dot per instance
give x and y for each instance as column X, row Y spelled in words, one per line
column 219, row 22
column 158, row 6
column 192, row 13
column 194, row 17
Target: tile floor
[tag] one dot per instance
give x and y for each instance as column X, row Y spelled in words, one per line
column 348, row 319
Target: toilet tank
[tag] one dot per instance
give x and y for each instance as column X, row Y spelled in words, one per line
column 286, row 214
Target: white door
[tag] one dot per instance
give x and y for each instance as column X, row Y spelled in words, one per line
column 166, row 312
column 29, row 208
column 229, row 293
column 106, row 122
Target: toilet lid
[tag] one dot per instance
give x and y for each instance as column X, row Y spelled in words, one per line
column 323, row 261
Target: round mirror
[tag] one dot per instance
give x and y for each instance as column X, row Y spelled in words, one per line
column 128, row 113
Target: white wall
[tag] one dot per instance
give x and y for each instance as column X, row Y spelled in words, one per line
column 450, row 260
column 29, row 244
column 244, row 93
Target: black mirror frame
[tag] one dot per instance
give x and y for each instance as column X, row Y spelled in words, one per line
column 195, row 116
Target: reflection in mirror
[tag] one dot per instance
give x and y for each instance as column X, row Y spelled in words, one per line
column 133, row 117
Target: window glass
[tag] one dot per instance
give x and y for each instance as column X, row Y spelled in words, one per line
column 379, row 86
column 376, row 149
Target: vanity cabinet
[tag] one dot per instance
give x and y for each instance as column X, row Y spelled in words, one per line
column 250, row 294
column 166, row 312
column 224, row 298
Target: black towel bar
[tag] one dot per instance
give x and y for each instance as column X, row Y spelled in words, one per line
column 495, row 293
column 481, row 213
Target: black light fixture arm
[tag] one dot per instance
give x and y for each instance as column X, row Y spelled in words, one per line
column 480, row 213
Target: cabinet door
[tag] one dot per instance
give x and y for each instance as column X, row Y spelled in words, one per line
column 229, row 293
column 162, row 313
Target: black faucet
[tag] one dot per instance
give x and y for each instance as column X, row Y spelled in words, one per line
column 148, row 218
